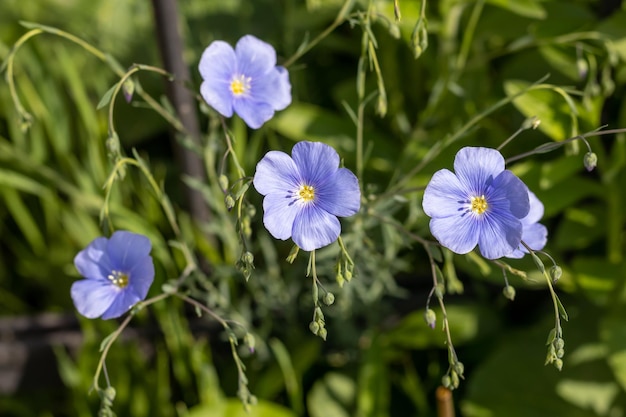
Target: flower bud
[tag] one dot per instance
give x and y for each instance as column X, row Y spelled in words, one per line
column 129, row 88
column 430, row 317
column 314, row 327
column 590, row 160
column 459, row 368
column 455, row 379
column 559, row 343
column 247, row 258
column 322, row 333
column 229, row 201
column 560, row 353
column 558, row 364
column 446, row 381
column 250, row 341
column 329, row 298
column 223, row 181
column 509, row 292
column 555, row 273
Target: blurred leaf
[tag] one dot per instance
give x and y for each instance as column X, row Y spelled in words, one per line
column 548, row 106
column 234, row 408
column 331, row 396
column 596, row 277
column 527, row 8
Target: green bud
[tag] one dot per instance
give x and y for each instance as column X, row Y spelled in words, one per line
column 459, row 368
column 559, row 343
column 113, row 144
column 558, row 364
column 223, row 181
column 293, row 254
column 253, row 400
column 340, row 279
column 247, row 258
column 419, row 38
column 348, row 275
column 251, row 210
column 531, row 123
column 314, row 327
column 455, row 379
column 590, row 161
column 322, row 333
column 555, row 273
column 560, row 353
column 229, row 201
column 128, row 88
column 509, row 292
column 440, row 290
column 250, row 341
column 329, row 298
column 430, row 317
column 446, row 381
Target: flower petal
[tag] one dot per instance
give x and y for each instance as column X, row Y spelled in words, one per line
column 279, row 212
column 141, row 276
column 124, row 301
column 255, row 58
column 314, row 228
column 126, row 248
column 282, row 89
column 93, row 297
column 253, row 111
column 536, row 210
column 444, row 196
column 341, row 196
column 500, row 234
column 218, row 66
column 316, row 161
column 458, row 233
column 474, row 166
column 93, row 261
column 276, row 173
column 510, row 194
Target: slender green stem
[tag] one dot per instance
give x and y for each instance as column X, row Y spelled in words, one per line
column 341, row 17
column 118, row 331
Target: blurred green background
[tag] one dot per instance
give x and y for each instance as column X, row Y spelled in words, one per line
column 380, row 358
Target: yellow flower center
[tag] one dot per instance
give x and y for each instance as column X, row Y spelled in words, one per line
column 306, row 193
column 118, row 278
column 240, row 85
column 479, row 204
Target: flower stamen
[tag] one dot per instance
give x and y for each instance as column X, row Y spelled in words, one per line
column 306, row 193
column 118, row 278
column 479, row 204
column 240, row 85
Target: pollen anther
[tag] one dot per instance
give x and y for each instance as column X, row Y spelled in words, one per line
column 306, row 193
column 118, row 278
column 240, row 85
column 479, row 204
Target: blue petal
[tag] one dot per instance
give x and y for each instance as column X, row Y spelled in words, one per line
column 279, row 212
column 316, row 161
column 282, row 89
column 534, row 235
column 255, row 58
column 126, row 248
column 93, row 297
column 93, row 261
column 509, row 193
column 341, row 196
column 276, row 173
column 476, row 166
column 445, row 196
column 254, row 112
column 218, row 66
column 315, row 228
column 500, row 234
column 459, row 234
column 536, row 210
column 141, row 276
column 124, row 301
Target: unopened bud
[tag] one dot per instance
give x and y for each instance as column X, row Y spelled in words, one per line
column 430, row 317
column 531, row 123
column 590, row 160
column 559, row 343
column 247, row 258
column 455, row 379
column 558, row 364
column 439, row 290
column 229, row 202
column 555, row 273
column 560, row 353
column 250, row 341
column 129, row 88
column 446, row 381
column 322, row 333
column 509, row 292
column 314, row 327
column 459, row 368
column 329, row 298
column 223, row 181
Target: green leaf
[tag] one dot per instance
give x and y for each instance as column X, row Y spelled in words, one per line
column 234, row 408
column 550, row 107
column 106, row 98
column 332, row 396
column 527, row 8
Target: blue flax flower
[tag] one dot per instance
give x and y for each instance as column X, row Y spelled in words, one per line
column 245, row 80
column 480, row 204
column 305, row 193
column 118, row 272
column 534, row 234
